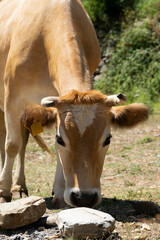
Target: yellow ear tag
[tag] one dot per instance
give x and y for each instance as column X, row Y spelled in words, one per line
column 36, row 128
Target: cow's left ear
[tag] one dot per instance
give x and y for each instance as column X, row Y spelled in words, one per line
column 128, row 116
column 37, row 113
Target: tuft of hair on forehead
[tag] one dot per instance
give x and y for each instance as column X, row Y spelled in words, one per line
column 89, row 97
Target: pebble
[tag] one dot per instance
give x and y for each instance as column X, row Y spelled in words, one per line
column 29, row 233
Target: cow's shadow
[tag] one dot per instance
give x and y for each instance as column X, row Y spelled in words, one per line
column 124, row 210
column 129, row 210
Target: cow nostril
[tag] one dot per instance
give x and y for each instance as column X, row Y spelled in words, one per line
column 84, row 199
column 75, row 198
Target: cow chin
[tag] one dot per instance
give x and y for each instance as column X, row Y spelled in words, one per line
column 86, row 198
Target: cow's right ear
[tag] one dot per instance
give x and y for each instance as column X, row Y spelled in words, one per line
column 37, row 113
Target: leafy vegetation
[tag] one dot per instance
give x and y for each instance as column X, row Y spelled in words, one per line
column 133, row 61
column 102, row 10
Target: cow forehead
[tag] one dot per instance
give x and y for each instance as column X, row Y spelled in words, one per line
column 81, row 116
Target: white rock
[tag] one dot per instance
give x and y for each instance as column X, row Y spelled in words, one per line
column 85, row 222
column 21, row 212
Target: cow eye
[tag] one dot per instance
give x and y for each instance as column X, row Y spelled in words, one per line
column 107, row 141
column 60, row 141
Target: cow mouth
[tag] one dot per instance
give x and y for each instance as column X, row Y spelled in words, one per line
column 84, row 199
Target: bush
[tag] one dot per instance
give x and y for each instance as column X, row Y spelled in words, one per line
column 106, row 10
column 133, row 52
column 96, row 10
column 134, row 65
column 147, row 8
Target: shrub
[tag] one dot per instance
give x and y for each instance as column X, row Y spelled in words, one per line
column 134, row 65
column 133, row 52
column 105, row 10
column 147, row 8
column 96, row 10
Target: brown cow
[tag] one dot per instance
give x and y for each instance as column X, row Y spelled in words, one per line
column 49, row 48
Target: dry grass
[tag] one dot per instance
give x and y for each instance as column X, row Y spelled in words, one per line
column 131, row 172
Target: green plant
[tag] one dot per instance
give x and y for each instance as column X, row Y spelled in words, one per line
column 96, row 9
column 146, row 140
column 147, row 8
column 134, row 65
column 104, row 11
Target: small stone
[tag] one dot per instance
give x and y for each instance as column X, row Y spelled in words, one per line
column 85, row 222
column 41, row 228
column 158, row 218
column 146, row 227
column 16, row 238
column 98, row 77
column 21, row 212
column 140, row 237
column 101, row 63
column 47, row 220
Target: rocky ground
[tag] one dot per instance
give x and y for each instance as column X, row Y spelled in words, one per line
column 30, row 232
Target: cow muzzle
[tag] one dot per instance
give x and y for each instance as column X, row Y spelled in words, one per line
column 77, row 198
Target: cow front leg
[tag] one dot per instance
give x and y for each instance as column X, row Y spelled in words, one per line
column 6, row 174
column 19, row 189
column 13, row 145
column 2, row 140
column 58, row 187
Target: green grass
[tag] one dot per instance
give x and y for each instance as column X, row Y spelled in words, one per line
column 146, row 140
column 33, row 148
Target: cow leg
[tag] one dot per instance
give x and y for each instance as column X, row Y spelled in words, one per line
column 19, row 189
column 2, row 140
column 58, row 187
column 13, row 146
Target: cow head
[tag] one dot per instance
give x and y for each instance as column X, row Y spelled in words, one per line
column 83, row 136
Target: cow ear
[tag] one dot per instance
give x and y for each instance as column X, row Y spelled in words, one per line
column 128, row 116
column 37, row 113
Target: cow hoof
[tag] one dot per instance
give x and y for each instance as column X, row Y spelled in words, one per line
column 19, row 194
column 58, row 203
column 5, row 199
column 5, row 196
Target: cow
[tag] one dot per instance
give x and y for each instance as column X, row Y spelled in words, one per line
column 48, row 54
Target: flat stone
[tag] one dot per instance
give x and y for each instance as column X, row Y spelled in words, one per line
column 21, row 212
column 85, row 222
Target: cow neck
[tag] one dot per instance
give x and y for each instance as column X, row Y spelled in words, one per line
column 68, row 64
column 72, row 69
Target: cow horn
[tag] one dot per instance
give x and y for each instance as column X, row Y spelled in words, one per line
column 49, row 101
column 118, row 99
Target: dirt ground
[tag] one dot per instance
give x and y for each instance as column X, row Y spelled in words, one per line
column 131, row 178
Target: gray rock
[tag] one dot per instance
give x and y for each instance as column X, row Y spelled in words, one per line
column 101, row 63
column 85, row 222
column 21, row 212
column 103, row 69
column 98, row 77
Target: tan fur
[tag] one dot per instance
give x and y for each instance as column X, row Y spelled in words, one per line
column 32, row 113
column 89, row 97
column 129, row 116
